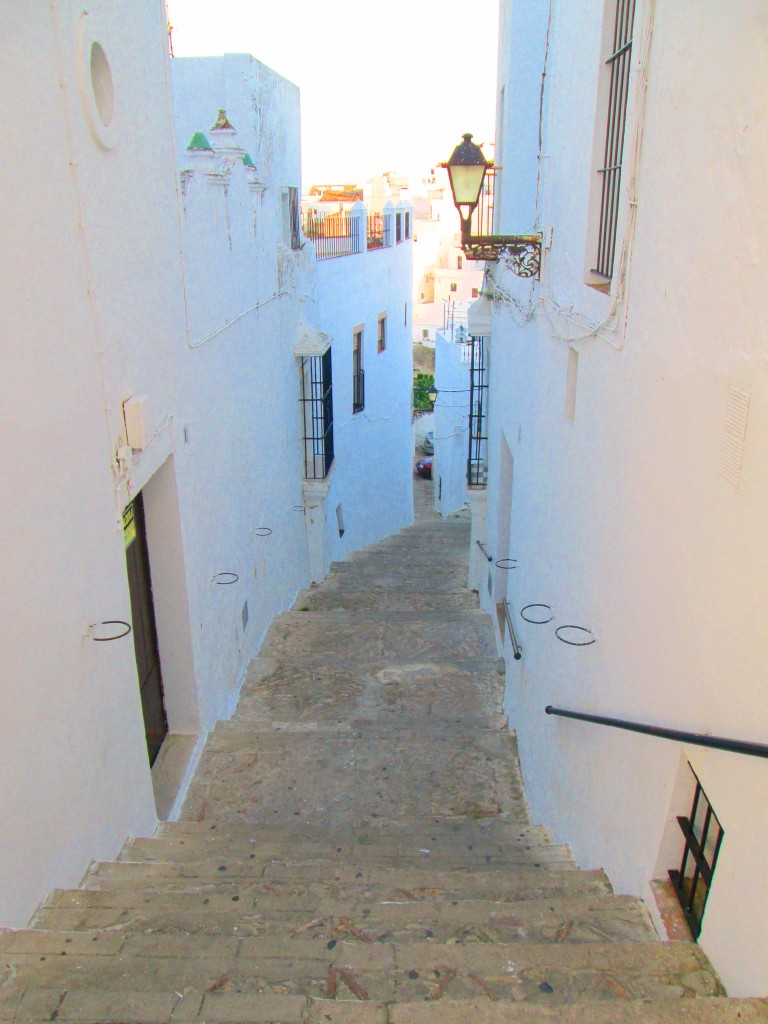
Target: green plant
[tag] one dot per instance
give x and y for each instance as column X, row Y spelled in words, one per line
column 422, row 383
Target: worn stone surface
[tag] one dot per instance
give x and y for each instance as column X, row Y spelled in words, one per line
column 356, row 848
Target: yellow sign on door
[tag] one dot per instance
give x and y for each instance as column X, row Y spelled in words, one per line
column 129, row 526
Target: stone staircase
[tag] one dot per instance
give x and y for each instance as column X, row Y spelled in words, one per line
column 356, row 848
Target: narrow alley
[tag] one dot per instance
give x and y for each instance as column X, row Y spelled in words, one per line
column 356, row 846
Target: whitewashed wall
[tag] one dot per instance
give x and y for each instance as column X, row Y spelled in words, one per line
column 621, row 516
column 98, row 309
column 372, row 477
column 92, row 311
column 243, row 465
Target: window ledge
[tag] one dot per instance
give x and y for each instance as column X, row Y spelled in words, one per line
column 599, row 282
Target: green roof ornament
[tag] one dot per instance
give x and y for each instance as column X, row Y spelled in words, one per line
column 199, row 141
column 222, row 122
column 248, row 162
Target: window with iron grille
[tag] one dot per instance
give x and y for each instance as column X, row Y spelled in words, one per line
column 618, row 67
column 381, row 333
column 407, row 225
column 703, row 835
column 477, row 456
column 317, row 415
column 358, row 373
column 398, row 227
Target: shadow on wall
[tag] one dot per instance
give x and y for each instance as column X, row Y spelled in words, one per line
column 422, row 422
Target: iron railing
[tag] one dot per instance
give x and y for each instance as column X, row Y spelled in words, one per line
column 619, row 64
column 333, row 234
column 358, row 391
column 703, row 835
column 696, row 738
column 477, row 456
column 317, row 415
column 378, row 231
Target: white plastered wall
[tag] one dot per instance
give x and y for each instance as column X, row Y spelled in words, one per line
column 622, row 519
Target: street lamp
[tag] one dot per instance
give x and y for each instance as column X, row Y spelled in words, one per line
column 432, row 394
column 467, row 170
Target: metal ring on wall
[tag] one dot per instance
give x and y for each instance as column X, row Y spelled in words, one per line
column 536, row 622
column 217, row 579
column 576, row 643
column 499, row 564
column 110, row 622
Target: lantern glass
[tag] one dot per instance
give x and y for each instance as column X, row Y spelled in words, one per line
column 466, row 182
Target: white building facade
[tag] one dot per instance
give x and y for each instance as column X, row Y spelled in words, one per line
column 628, row 486
column 159, row 305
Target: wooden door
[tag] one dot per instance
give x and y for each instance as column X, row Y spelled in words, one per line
column 144, row 629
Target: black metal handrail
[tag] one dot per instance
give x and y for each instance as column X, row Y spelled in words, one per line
column 680, row 735
column 516, row 648
column 484, row 550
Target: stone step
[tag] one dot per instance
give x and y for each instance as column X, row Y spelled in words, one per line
column 115, row 1006
column 277, row 692
column 336, row 848
column 318, row 861
column 549, row 973
column 375, row 639
column 347, row 778
column 580, row 919
column 415, row 601
column 436, row 829
column 404, row 883
column 373, row 581
column 351, row 887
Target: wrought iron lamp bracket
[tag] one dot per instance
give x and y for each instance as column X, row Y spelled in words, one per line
column 522, row 252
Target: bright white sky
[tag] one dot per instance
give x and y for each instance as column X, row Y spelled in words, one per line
column 384, row 87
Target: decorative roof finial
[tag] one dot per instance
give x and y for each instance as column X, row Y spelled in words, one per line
column 222, row 122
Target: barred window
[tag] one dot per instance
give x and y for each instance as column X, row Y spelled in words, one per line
column 618, row 64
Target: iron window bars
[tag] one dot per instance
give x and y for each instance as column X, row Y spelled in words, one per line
column 378, row 231
column 398, row 228
column 317, row 415
column 703, row 837
column 477, row 466
column 381, row 339
column 619, row 64
column 358, row 374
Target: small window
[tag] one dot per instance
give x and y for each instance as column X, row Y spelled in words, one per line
column 407, row 225
column 317, row 415
column 571, row 380
column 424, row 332
column 702, row 838
column 453, row 286
column 291, row 218
column 475, row 293
column 358, row 373
column 381, row 333
column 459, row 262
column 398, row 227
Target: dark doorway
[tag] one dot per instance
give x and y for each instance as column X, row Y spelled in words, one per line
column 144, row 629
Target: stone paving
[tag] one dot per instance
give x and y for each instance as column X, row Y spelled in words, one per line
column 356, row 847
